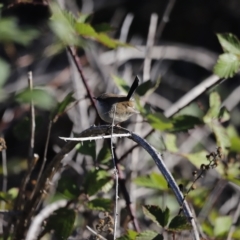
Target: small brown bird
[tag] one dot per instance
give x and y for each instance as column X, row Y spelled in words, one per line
column 116, row 106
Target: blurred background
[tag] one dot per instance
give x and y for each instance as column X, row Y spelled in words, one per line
column 174, row 42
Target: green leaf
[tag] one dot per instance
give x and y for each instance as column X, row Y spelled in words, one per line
column 68, row 187
column 154, row 180
column 220, row 133
column 87, row 148
column 227, row 65
column 40, row 97
column 61, row 107
column 198, row 196
column 229, row 42
column 170, row 142
column 104, row 155
column 179, row 223
column 185, row 122
column 63, row 25
column 101, row 204
column 156, row 214
column 224, row 115
column 158, row 180
column 109, row 42
column 222, row 226
column 95, row 181
column 11, row 32
column 159, row 122
column 62, row 222
column 236, row 234
column 197, row 159
column 10, row 195
column 148, row 87
column 207, row 228
column 85, row 30
column 103, row 27
column 83, row 18
column 149, row 235
column 235, row 144
column 214, row 109
column 13, row 192
column 192, row 109
column 5, row 71
column 231, row 131
column 130, row 235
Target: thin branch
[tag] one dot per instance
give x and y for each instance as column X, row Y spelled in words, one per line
column 125, row 27
column 150, row 43
column 5, row 175
column 44, row 155
column 32, row 160
column 18, row 204
column 36, row 224
column 33, row 124
column 116, row 179
column 124, row 191
column 193, row 94
column 77, row 62
column 124, row 33
column 80, row 139
column 4, row 168
column 234, row 221
column 165, row 19
column 95, row 233
column 212, row 198
column 232, row 100
column 196, row 55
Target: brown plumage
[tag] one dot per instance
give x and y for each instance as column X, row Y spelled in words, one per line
column 115, row 106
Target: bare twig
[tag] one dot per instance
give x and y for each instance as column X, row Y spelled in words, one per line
column 4, row 184
column 196, row 55
column 212, row 198
column 234, row 221
column 44, row 155
column 124, row 33
column 150, row 43
column 33, row 124
column 165, row 18
column 193, row 94
column 138, row 127
column 32, row 160
column 36, row 224
column 125, row 27
column 4, row 168
column 124, row 191
column 77, row 62
column 233, row 99
column 18, row 204
column 95, row 233
column 116, row 179
column 95, row 137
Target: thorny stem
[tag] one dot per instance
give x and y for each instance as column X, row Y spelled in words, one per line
column 73, row 53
